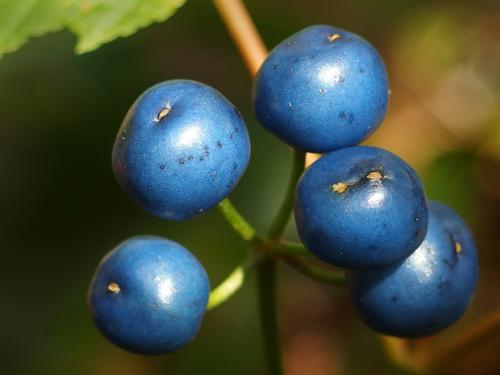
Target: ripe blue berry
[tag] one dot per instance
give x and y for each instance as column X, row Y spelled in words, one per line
column 321, row 89
column 149, row 295
column 428, row 291
column 360, row 207
column 181, row 149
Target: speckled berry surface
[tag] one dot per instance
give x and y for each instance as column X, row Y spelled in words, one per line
column 181, row 149
column 149, row 295
column 429, row 290
column 360, row 207
column 321, row 89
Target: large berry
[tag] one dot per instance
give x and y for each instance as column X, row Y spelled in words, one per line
column 149, row 295
column 429, row 290
column 360, row 207
column 321, row 89
column 181, row 149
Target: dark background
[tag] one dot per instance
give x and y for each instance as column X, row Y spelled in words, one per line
column 61, row 210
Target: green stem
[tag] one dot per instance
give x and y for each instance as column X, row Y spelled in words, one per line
column 399, row 351
column 287, row 248
column 281, row 220
column 232, row 283
column 317, row 273
column 237, row 221
column 266, row 286
column 249, row 42
column 266, row 273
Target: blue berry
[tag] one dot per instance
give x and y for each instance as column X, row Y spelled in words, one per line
column 149, row 295
column 321, row 89
column 360, row 207
column 181, row 149
column 428, row 291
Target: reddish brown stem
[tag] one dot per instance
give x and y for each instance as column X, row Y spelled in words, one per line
column 243, row 31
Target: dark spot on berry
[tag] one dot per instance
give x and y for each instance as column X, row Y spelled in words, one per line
column 341, row 79
column 202, row 158
column 182, row 161
column 190, row 157
column 296, row 60
column 162, row 167
column 342, row 114
column 219, row 144
column 274, row 66
column 205, row 147
column 235, row 166
column 443, row 286
column 450, row 264
column 416, row 234
column 394, row 298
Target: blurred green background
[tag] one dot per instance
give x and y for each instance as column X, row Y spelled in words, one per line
column 61, row 209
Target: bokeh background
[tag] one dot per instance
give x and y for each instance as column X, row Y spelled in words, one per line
column 61, row 210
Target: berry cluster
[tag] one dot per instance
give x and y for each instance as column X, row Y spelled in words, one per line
column 182, row 148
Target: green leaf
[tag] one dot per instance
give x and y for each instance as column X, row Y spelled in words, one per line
column 95, row 22
column 100, row 21
column 21, row 19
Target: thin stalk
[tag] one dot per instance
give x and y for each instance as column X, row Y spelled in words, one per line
column 316, row 273
column 243, row 31
column 288, row 248
column 399, row 352
column 232, row 283
column 266, row 288
column 281, row 220
column 237, row 221
column 253, row 51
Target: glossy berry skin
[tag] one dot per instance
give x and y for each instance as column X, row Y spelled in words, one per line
column 429, row 290
column 360, row 207
column 181, row 149
column 321, row 89
column 149, row 295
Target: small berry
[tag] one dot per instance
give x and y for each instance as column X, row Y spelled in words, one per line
column 360, row 207
column 175, row 138
column 149, row 295
column 428, row 291
column 321, row 89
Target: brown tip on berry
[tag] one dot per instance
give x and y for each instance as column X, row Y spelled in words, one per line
column 334, row 37
column 374, row 176
column 458, row 247
column 339, row 187
column 114, row 288
column 163, row 113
